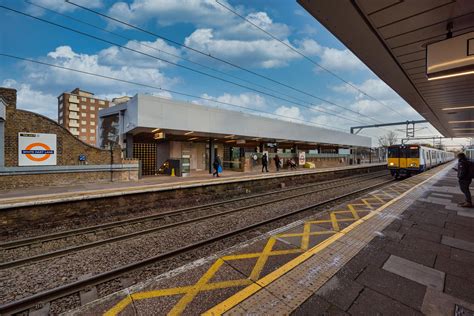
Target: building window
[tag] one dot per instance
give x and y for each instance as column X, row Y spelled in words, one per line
column 83, row 130
column 61, row 105
column 92, row 138
column 100, row 108
column 92, row 108
column 93, row 123
column 101, row 102
column 83, row 107
column 92, row 115
column 83, row 114
column 60, row 114
column 61, row 121
column 92, row 100
column 83, row 122
column 83, row 137
column 92, row 131
column 61, row 97
column 84, row 99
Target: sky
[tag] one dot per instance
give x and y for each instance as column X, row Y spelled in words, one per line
column 251, row 71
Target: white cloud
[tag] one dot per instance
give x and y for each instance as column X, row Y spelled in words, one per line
column 262, row 53
column 120, row 56
column 168, row 12
column 33, row 100
column 336, row 60
column 61, row 5
column 102, row 63
column 292, row 114
column 243, row 100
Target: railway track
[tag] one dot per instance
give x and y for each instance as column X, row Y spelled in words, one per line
column 35, row 242
column 75, row 287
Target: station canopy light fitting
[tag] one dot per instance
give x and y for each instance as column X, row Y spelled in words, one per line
column 452, row 57
column 459, row 108
column 229, row 136
column 460, row 122
column 189, row 133
column 156, row 130
column 193, row 138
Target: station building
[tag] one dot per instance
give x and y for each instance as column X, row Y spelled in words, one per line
column 153, row 130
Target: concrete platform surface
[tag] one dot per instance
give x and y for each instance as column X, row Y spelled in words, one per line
column 384, row 253
column 56, row 194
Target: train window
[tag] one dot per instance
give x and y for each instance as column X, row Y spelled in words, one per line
column 393, row 152
column 413, row 152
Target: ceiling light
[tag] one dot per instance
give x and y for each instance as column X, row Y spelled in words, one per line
column 229, row 136
column 230, row 141
column 194, row 138
column 455, row 122
column 188, row 133
column 471, row 72
column 155, row 130
column 459, row 108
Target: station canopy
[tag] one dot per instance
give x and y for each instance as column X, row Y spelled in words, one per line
column 423, row 49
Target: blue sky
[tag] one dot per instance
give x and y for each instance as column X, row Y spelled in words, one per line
column 206, row 26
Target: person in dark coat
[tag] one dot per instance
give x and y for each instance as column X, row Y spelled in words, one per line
column 216, row 164
column 464, row 177
column 265, row 162
column 277, row 162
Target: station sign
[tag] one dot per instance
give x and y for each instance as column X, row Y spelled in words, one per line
column 36, row 149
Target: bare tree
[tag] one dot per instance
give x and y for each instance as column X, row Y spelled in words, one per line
column 388, row 139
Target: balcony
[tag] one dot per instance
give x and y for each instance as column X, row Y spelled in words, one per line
column 73, row 107
column 73, row 115
column 74, row 131
column 73, row 99
column 73, row 123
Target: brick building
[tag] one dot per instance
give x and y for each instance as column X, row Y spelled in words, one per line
column 75, row 161
column 78, row 112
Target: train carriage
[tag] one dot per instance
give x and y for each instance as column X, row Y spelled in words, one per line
column 405, row 160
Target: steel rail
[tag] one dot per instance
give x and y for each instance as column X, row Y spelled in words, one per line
column 90, row 229
column 69, row 250
column 74, row 287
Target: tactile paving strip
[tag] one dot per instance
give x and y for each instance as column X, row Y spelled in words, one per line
column 286, row 293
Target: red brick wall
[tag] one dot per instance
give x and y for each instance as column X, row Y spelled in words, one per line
column 68, row 147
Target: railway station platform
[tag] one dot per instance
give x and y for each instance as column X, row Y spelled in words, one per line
column 404, row 249
column 60, row 194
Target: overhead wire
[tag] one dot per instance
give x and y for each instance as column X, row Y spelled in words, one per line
column 173, row 63
column 306, row 57
column 129, row 25
column 179, row 57
column 162, row 89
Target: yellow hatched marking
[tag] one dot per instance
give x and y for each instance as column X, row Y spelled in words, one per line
column 237, row 298
column 262, row 259
column 305, row 237
column 190, row 292
column 353, row 211
column 189, row 296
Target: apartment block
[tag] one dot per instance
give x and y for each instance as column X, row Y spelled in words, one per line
column 78, row 112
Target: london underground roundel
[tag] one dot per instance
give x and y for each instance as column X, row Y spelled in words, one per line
column 36, row 149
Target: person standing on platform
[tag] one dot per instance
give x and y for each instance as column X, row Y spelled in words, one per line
column 465, row 178
column 277, row 162
column 265, row 162
column 217, row 166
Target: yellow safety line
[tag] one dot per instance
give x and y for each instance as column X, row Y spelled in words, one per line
column 240, row 296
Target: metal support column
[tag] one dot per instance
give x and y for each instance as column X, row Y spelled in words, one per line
column 211, row 154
